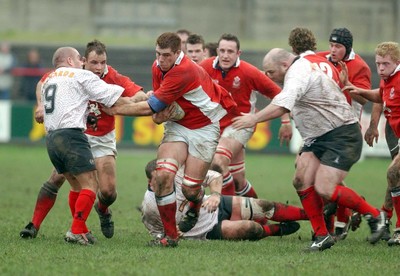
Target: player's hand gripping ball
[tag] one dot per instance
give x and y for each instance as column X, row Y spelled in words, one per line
column 177, row 113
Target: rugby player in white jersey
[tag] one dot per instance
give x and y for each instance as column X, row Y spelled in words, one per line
column 66, row 94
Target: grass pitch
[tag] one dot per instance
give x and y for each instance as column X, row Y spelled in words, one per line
column 23, row 170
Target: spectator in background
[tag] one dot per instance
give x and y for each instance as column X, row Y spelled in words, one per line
column 183, row 35
column 211, row 49
column 31, row 75
column 7, row 62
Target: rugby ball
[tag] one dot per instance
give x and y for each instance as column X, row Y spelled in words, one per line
column 178, row 113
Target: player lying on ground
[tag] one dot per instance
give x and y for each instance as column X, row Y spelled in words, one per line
column 222, row 217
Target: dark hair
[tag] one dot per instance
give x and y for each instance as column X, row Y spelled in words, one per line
column 212, row 48
column 150, row 168
column 195, row 39
column 301, row 40
column 96, row 46
column 169, row 40
column 183, row 31
column 342, row 36
column 230, row 37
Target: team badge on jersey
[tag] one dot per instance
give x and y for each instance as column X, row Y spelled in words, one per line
column 236, row 82
column 391, row 93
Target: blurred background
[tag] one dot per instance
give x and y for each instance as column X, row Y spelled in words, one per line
column 30, row 31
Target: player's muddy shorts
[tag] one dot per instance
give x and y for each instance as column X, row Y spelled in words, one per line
column 339, row 148
column 69, row 151
column 103, row 145
column 202, row 142
column 391, row 140
column 224, row 213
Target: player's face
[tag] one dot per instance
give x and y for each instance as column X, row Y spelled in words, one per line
column 195, row 52
column 166, row 58
column 275, row 71
column 385, row 66
column 96, row 63
column 337, row 51
column 227, row 53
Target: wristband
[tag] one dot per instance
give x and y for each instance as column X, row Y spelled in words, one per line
column 216, row 193
column 285, row 122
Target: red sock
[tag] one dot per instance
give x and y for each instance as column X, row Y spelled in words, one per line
column 72, row 197
column 83, row 206
column 313, row 206
column 284, row 212
column 389, row 212
column 167, row 209
column 348, row 198
column 228, row 186
column 343, row 214
column 396, row 206
column 196, row 205
column 271, row 229
column 330, row 224
column 248, row 191
column 45, row 201
column 102, row 207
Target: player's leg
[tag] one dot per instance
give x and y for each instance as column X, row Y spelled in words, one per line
column 201, row 147
column 45, row 201
column 106, row 193
column 238, row 170
column 72, row 157
column 220, row 163
column 336, row 160
column 104, row 150
column 230, row 147
column 170, row 156
column 393, row 178
column 86, row 184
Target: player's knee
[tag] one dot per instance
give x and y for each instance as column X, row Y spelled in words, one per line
column 393, row 173
column 50, row 188
column 192, row 189
column 107, row 198
column 216, row 167
column 297, row 183
column 56, row 180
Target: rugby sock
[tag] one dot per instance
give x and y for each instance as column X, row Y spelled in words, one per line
column 45, row 201
column 228, row 186
column 346, row 197
column 167, row 208
column 396, row 204
column 389, row 212
column 271, row 229
column 196, row 205
column 313, row 206
column 343, row 214
column 83, row 207
column 72, row 197
column 284, row 212
column 247, row 191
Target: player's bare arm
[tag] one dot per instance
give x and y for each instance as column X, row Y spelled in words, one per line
column 39, row 112
column 139, row 97
column 270, row 112
column 215, row 184
column 372, row 132
column 371, row 95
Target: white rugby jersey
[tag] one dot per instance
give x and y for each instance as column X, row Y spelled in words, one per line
column 66, row 94
column 152, row 220
column 315, row 100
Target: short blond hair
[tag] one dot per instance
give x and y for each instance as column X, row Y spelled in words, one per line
column 388, row 48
